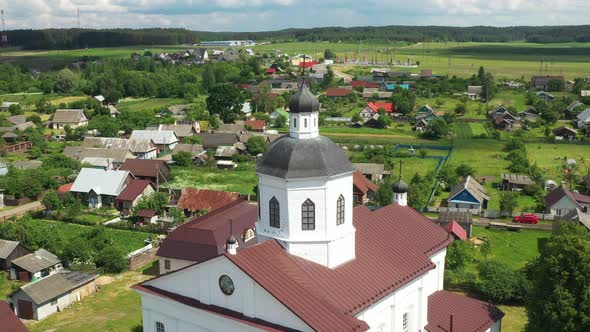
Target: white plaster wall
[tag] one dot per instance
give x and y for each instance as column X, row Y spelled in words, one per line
column 319, row 245
column 387, row 314
column 297, row 126
column 175, row 264
column 563, row 206
column 201, row 282
column 46, row 309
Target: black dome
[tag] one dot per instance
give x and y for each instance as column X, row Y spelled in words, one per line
column 291, row 158
column 232, row 240
column 304, row 101
column 400, row 187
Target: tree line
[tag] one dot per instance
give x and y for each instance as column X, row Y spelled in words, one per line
column 80, row 38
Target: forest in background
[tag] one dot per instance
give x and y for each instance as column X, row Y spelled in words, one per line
column 54, row 39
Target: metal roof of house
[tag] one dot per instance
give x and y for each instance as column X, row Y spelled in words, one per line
column 558, row 193
column 69, row 116
column 518, row 179
column 55, row 285
column 472, row 186
column 362, row 183
column 9, row 321
column 469, row 315
column 37, row 261
column 584, row 115
column 370, row 168
column 454, row 228
column 144, row 167
column 193, row 149
column 16, row 119
column 194, row 199
column 158, row 137
column 133, row 190
column 180, row 130
column 7, row 247
column 133, row 145
column 213, row 140
column 109, row 182
column 225, row 151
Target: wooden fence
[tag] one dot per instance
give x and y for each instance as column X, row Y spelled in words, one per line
column 23, row 146
column 142, row 257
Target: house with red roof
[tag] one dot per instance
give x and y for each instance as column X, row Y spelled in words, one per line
column 9, row 321
column 307, row 64
column 560, row 202
column 456, row 230
column 373, row 108
column 338, row 92
column 364, row 84
column 135, row 190
column 195, row 201
column 318, row 263
column 363, row 189
column 255, row 125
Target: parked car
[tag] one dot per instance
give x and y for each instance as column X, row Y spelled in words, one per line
column 527, row 219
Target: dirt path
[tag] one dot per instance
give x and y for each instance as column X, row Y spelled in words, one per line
column 347, row 78
column 365, row 135
column 21, row 210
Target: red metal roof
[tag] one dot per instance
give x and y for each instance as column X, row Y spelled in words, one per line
column 255, row 124
column 365, row 84
column 376, row 106
column 393, row 245
column 558, row 193
column 205, row 237
column 363, row 183
column 454, row 228
column 338, row 92
column 194, row 199
column 307, row 64
column 144, row 167
column 8, row 320
column 133, row 190
column 469, row 315
column 65, row 188
column 146, row 213
column 271, row 70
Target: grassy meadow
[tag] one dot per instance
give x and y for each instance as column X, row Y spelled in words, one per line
column 241, row 179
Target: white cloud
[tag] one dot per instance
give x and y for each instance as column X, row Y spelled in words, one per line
column 256, row 15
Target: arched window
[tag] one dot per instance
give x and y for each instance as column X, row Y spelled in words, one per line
column 273, row 212
column 305, row 123
column 340, row 210
column 249, row 235
column 308, row 216
column 160, row 327
column 294, row 122
column 315, row 122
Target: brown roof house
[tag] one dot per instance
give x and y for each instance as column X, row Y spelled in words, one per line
column 363, row 189
column 561, row 201
column 565, row 133
column 71, row 118
column 204, row 238
column 35, row 266
column 147, row 169
column 195, row 201
column 542, row 82
column 10, row 250
column 52, row 294
column 515, row 182
column 135, row 190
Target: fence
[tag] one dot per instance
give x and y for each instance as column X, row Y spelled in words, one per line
column 141, row 257
column 434, row 209
column 490, row 214
column 23, row 146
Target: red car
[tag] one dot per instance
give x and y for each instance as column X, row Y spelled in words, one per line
column 527, row 219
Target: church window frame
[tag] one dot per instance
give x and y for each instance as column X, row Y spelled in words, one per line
column 304, row 122
column 160, row 327
column 308, row 215
column 340, row 210
column 274, row 213
column 294, row 122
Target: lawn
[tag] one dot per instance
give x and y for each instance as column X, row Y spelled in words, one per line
column 486, row 156
column 401, row 129
column 241, row 179
column 133, row 105
column 116, row 307
column 127, row 240
column 411, row 166
column 544, row 155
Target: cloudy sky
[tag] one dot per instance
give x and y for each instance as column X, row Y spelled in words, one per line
column 259, row 15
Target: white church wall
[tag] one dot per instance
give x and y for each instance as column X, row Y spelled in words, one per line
column 201, row 282
column 304, row 125
column 410, row 300
column 175, row 264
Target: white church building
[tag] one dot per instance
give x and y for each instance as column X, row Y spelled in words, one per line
column 319, row 264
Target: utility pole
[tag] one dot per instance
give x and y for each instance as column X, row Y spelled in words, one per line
column 4, row 35
column 78, row 18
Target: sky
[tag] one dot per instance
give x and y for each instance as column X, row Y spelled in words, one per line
column 264, row 15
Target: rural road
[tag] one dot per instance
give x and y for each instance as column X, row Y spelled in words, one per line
column 347, row 78
column 20, row 210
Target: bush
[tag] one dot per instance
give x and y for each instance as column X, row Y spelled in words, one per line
column 458, row 254
column 182, row 158
column 111, row 259
column 499, row 283
column 256, row 145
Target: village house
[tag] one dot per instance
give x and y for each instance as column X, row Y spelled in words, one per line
column 204, row 237
column 515, row 182
column 475, row 92
column 97, row 187
column 180, row 130
column 531, row 114
column 565, row 133
column 545, row 95
column 135, row 190
column 16, row 119
column 195, row 201
column 584, row 93
column 424, row 118
column 105, row 158
column 34, row 266
column 165, row 140
column 364, row 85
column 542, row 82
column 9, row 321
column 52, row 294
column 178, row 112
column 373, row 172
column 456, row 231
column 71, row 118
column 211, row 141
column 147, row 216
column 583, row 119
column 9, row 251
column 373, row 108
column 503, row 119
column 230, row 128
column 312, row 248
column 369, row 93
column 468, row 194
column 5, row 105
column 363, row 189
column 156, row 171
column 255, row 125
column 140, row 148
column 279, row 112
column 336, row 93
column 197, row 152
column 561, row 201
column 463, row 218
column 569, row 110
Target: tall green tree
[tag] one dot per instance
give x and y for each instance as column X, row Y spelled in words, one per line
column 560, row 296
column 226, row 101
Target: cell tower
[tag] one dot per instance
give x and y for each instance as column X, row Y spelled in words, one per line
column 4, row 35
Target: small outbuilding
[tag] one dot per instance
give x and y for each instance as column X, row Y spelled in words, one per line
column 35, row 266
column 565, row 133
column 9, row 251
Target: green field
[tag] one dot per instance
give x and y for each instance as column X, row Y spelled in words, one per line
column 544, row 155
column 133, row 105
column 486, row 156
column 241, row 179
column 126, row 240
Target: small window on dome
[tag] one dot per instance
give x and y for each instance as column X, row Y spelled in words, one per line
column 315, row 122
column 294, row 122
column 274, row 214
column 308, row 215
column 304, row 123
column 340, row 210
column 249, row 235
